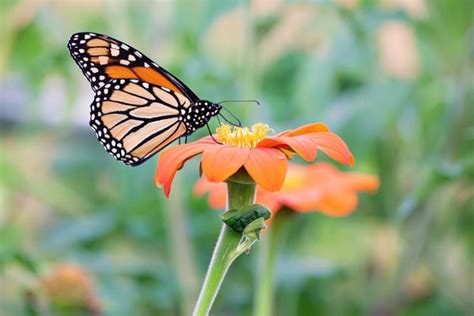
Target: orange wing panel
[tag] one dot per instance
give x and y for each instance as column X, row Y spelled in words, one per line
column 120, row 72
column 144, row 73
column 152, row 76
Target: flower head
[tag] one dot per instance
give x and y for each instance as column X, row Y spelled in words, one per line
column 265, row 158
column 318, row 187
column 397, row 50
column 70, row 285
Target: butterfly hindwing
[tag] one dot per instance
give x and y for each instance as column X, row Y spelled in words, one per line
column 103, row 58
column 134, row 119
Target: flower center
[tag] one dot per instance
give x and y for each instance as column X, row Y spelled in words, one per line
column 242, row 136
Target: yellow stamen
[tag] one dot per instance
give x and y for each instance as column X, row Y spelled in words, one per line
column 242, row 136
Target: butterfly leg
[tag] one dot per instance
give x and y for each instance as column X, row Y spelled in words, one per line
column 179, row 141
column 212, row 136
column 186, row 139
column 239, row 124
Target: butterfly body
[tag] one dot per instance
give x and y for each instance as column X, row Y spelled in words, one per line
column 139, row 108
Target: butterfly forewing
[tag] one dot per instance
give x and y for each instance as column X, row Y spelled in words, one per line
column 103, row 58
column 139, row 107
column 134, row 119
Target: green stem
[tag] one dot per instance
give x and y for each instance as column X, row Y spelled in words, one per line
column 268, row 251
column 240, row 192
column 223, row 256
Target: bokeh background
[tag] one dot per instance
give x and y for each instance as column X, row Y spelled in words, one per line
column 394, row 78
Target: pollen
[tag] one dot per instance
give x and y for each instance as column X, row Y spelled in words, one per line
column 242, row 136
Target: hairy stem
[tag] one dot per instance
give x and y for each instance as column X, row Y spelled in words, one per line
column 240, row 192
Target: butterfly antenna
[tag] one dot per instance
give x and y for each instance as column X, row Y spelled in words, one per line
column 240, row 101
column 239, row 124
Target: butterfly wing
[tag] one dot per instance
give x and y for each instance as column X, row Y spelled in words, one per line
column 134, row 119
column 102, row 58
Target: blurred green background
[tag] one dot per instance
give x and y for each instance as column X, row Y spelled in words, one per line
column 394, row 78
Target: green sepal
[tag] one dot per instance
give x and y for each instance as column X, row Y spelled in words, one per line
column 253, row 229
column 239, row 219
column 250, row 235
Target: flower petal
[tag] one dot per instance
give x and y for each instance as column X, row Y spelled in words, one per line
column 304, row 200
column 338, row 202
column 362, row 182
column 305, row 129
column 217, row 192
column 220, row 162
column 272, row 141
column 333, row 146
column 172, row 159
column 269, row 199
column 267, row 166
column 302, row 145
column 306, row 141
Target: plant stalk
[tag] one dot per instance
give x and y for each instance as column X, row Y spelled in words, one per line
column 240, row 192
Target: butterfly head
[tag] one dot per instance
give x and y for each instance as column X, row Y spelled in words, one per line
column 199, row 114
column 213, row 108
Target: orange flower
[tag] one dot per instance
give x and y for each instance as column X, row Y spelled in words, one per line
column 265, row 158
column 70, row 285
column 318, row 187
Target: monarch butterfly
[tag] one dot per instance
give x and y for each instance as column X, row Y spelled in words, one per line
column 139, row 108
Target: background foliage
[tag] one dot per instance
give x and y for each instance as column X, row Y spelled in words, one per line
column 392, row 77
